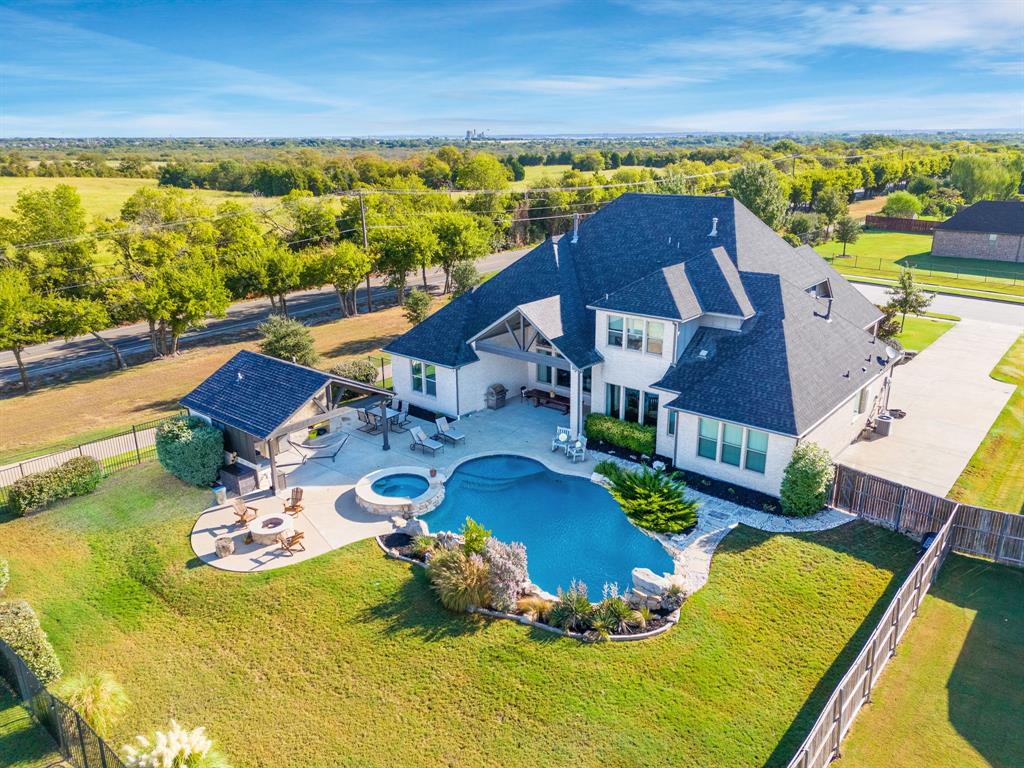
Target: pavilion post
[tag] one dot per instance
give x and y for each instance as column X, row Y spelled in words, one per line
column 387, row 426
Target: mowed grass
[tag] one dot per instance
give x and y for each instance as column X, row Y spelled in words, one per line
column 882, row 254
column 348, row 659
column 23, row 742
column 954, row 695
column 919, row 332
column 994, row 477
column 89, row 409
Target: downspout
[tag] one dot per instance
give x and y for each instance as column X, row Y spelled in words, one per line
column 675, row 443
column 458, row 408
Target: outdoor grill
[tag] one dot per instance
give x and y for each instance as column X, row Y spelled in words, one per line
column 496, row 394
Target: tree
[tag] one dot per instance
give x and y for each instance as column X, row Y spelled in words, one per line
column 462, row 238
column 401, row 250
column 75, row 317
column 906, row 297
column 831, row 203
column 22, row 317
column 806, row 480
column 758, row 188
column 343, row 265
column 417, row 307
column 482, row 171
column 847, row 232
column 901, row 205
column 981, row 178
column 888, row 327
column 284, row 274
column 464, row 278
column 313, row 221
column 922, row 185
column 287, row 339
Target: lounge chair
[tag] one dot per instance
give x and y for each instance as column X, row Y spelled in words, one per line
column 293, row 543
column 424, row 443
column 561, row 439
column 294, row 505
column 446, row 431
column 577, row 449
column 242, row 511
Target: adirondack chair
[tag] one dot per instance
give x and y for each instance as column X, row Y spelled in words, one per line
column 291, row 544
column 294, row 505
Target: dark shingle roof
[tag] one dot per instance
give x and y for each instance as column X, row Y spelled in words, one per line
column 1003, row 217
column 654, row 254
column 255, row 393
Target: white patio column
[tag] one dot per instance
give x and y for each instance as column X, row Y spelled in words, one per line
column 575, row 401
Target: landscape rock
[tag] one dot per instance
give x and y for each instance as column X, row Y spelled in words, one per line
column 649, row 582
column 415, row 527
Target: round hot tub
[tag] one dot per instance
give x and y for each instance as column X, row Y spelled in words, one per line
column 406, row 491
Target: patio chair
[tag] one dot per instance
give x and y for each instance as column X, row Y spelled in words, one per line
column 293, row 543
column 375, row 422
column 363, row 417
column 446, row 431
column 561, row 439
column 243, row 512
column 424, row 443
column 403, row 414
column 294, row 505
column 577, row 449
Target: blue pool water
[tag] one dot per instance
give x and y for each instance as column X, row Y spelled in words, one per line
column 572, row 528
column 404, row 486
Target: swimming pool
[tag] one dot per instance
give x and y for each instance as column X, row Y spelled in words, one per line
column 404, row 486
column 572, row 528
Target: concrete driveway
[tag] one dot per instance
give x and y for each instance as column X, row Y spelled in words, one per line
column 950, row 402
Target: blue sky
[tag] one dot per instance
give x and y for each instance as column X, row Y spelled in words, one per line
column 516, row 67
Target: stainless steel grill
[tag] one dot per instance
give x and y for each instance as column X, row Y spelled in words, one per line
column 496, row 394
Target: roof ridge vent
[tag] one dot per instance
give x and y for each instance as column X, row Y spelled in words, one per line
column 575, row 226
column 714, row 227
column 554, row 245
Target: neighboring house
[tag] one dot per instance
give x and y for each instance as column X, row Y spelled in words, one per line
column 257, row 401
column 989, row 229
column 688, row 314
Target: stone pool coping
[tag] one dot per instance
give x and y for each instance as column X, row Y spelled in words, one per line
column 670, row 621
column 388, row 506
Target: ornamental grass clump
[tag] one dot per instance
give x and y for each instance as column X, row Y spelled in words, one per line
column 176, row 747
column 572, row 610
column 98, row 698
column 614, row 616
column 653, row 500
column 461, row 580
column 507, row 572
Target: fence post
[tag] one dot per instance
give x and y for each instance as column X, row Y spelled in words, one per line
column 81, row 739
column 80, row 451
column 21, row 468
column 899, row 511
column 871, row 666
column 838, row 723
column 138, row 453
column 895, row 626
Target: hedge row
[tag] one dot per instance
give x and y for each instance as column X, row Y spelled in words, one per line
column 190, row 449
column 19, row 628
column 75, row 477
column 625, row 434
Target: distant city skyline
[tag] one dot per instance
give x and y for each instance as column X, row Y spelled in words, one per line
column 531, row 67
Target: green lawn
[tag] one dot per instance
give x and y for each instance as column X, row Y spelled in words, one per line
column 349, row 660
column 23, row 742
column 954, row 695
column 994, row 477
column 883, row 254
column 919, row 332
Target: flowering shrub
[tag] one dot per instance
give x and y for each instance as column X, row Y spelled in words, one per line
column 174, row 748
column 507, row 564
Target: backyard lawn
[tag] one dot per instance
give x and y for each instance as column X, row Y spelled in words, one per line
column 23, row 742
column 348, row 659
column 919, row 332
column 954, row 695
column 110, row 403
column 881, row 254
column 994, row 477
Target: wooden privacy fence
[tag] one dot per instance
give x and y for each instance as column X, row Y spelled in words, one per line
column 821, row 746
column 976, row 531
column 899, row 224
column 116, row 452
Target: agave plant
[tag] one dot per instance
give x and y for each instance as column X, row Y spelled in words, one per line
column 572, row 610
column 653, row 500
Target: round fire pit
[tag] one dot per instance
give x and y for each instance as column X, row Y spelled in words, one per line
column 266, row 528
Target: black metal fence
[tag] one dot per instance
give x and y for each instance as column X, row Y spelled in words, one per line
column 114, row 452
column 78, row 743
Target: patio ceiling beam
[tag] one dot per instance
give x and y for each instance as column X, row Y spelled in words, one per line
column 295, row 426
column 513, row 333
column 519, row 354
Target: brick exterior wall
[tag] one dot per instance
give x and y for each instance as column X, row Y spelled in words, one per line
column 977, row 245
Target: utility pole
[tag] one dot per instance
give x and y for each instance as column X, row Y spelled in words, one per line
column 366, row 247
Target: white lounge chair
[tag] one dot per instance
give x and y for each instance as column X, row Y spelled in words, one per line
column 446, row 431
column 577, row 449
column 424, row 443
column 561, row 439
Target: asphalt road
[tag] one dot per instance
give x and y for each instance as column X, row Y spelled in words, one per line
column 63, row 356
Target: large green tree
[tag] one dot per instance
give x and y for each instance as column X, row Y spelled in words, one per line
column 983, row 178
column 462, row 237
column 343, row 265
column 401, row 250
column 23, row 316
column 831, row 204
column 758, row 188
column 482, row 171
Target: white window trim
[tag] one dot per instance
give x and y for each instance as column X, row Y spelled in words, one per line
column 422, row 378
column 720, row 445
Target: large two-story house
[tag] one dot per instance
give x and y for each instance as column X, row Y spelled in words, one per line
column 687, row 314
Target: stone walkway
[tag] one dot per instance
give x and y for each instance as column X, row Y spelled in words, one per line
column 716, row 517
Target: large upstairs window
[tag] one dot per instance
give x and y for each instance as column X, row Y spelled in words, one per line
column 424, row 378
column 636, row 334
